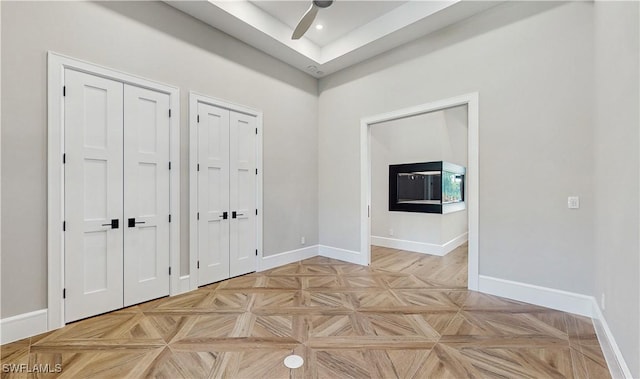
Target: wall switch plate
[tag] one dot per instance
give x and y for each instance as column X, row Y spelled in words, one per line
column 573, row 202
column 391, row 232
column 303, row 241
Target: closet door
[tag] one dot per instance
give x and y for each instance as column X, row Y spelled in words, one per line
column 242, row 181
column 213, row 194
column 93, row 195
column 146, row 195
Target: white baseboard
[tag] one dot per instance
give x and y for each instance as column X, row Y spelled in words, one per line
column 22, row 326
column 350, row 256
column 455, row 243
column 287, row 257
column 420, row 247
column 184, row 284
column 537, row 295
column 583, row 305
column 612, row 354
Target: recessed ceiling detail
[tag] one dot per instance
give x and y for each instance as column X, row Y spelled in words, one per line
column 353, row 30
column 338, row 19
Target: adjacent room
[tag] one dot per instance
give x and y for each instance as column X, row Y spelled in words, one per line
column 320, row 189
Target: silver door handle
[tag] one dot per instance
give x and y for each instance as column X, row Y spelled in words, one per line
column 132, row 222
column 114, row 224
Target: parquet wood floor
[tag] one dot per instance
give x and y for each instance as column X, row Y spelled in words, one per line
column 407, row 316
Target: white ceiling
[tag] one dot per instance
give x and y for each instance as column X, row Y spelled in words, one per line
column 354, row 30
column 338, row 19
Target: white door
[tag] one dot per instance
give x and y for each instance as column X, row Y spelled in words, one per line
column 93, row 195
column 146, row 195
column 242, row 181
column 116, row 195
column 213, row 194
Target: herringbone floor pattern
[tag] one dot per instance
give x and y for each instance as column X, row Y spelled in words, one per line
column 407, row 316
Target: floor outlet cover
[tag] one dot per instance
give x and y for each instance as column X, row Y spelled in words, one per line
column 293, row 361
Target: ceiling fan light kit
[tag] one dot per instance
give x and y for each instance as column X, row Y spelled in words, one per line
column 310, row 15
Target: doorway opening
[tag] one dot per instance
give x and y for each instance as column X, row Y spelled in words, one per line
column 472, row 177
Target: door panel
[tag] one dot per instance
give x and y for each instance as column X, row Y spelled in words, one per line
column 146, row 194
column 93, row 195
column 242, row 180
column 213, row 194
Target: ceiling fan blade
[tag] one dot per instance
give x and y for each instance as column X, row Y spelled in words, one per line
column 305, row 22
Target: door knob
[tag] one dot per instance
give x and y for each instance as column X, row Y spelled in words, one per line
column 132, row 222
column 114, row 224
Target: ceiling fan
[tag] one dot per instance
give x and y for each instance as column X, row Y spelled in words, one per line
column 306, row 20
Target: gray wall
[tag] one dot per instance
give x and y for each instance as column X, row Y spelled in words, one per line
column 427, row 137
column 532, row 66
column 155, row 41
column 617, row 162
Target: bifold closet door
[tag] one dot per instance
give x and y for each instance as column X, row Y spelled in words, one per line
column 146, row 195
column 93, row 195
column 213, row 194
column 242, row 182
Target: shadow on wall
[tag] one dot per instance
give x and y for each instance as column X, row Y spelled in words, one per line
column 491, row 19
column 173, row 22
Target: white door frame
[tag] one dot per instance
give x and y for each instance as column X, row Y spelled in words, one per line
column 471, row 100
column 194, row 99
column 56, row 64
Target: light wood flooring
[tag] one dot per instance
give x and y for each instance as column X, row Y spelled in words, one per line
column 407, row 316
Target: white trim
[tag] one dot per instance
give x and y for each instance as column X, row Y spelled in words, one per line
column 420, row 247
column 56, row 64
column 472, row 102
column 24, row 325
column 350, row 256
column 543, row 296
column 565, row 301
column 194, row 99
column 454, row 243
column 612, row 354
column 185, row 284
column 286, row 257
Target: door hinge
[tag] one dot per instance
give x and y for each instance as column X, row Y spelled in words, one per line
column 64, row 158
column 198, row 264
column 256, row 171
column 64, row 226
column 368, row 210
column 169, row 113
column 198, row 216
column 64, row 90
column 169, row 218
column 169, row 270
column 256, row 130
column 169, row 165
column 198, row 168
column 256, row 252
column 256, row 211
column 64, row 293
column 198, row 118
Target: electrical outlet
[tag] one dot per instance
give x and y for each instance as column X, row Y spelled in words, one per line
column 302, row 240
column 391, row 232
column 602, row 301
